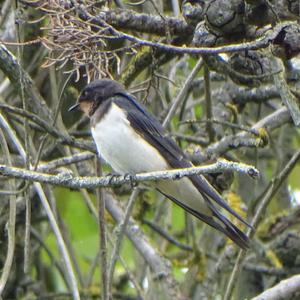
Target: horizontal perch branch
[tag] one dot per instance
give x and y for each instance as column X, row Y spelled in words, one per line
column 67, row 180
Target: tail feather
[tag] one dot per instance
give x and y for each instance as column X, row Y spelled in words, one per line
column 232, row 231
column 207, row 190
column 217, row 221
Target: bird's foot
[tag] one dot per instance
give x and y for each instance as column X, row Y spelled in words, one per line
column 112, row 177
column 132, row 179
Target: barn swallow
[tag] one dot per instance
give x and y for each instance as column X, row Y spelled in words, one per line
column 131, row 140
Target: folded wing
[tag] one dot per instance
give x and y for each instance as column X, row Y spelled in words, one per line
column 151, row 130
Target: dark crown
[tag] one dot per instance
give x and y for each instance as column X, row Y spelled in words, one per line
column 100, row 90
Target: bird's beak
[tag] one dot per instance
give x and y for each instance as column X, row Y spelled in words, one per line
column 73, row 107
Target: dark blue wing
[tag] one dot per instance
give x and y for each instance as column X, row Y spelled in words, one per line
column 152, row 131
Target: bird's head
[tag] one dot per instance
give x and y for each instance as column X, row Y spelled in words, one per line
column 95, row 94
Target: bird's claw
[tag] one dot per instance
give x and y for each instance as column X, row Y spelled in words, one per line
column 131, row 178
column 112, row 177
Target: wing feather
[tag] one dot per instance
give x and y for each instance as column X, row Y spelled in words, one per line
column 150, row 128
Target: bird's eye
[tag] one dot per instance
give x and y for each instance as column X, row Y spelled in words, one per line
column 84, row 93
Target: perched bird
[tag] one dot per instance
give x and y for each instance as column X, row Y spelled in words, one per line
column 132, row 141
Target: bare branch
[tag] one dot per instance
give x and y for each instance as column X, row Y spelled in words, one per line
column 11, row 224
column 103, row 237
column 131, row 20
column 52, row 130
column 12, row 69
column 68, row 180
column 287, row 96
column 260, row 43
column 267, row 197
column 61, row 245
column 120, row 234
column 183, row 91
column 244, row 139
column 285, row 289
column 159, row 265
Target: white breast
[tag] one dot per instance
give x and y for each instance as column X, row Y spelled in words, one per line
column 127, row 152
column 122, row 147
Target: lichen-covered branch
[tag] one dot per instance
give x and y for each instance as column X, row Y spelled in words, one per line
column 131, row 20
column 158, row 264
column 245, row 139
column 52, row 130
column 285, row 289
column 267, row 196
column 16, row 74
column 291, row 102
column 67, row 180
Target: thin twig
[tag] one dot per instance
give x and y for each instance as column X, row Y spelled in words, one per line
column 11, row 221
column 26, row 146
column 225, row 123
column 92, row 269
column 54, row 262
column 103, row 241
column 70, row 247
column 241, row 139
column 167, row 236
column 120, row 234
column 64, row 161
column 158, row 264
column 61, row 245
column 46, row 125
column 27, row 233
column 176, row 8
column 191, row 139
column 12, row 69
column 129, row 273
column 5, row 11
column 184, row 89
column 209, row 112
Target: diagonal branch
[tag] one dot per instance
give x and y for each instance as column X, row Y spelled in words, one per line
column 38, row 187
column 158, row 264
column 285, row 289
column 12, row 69
column 46, row 125
column 245, row 139
column 266, row 199
column 291, row 102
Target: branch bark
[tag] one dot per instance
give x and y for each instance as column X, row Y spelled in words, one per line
column 158, row 264
column 16, row 74
column 67, row 180
column 284, row 290
column 131, row 20
column 266, row 199
column 39, row 190
column 270, row 122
